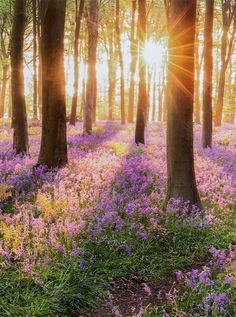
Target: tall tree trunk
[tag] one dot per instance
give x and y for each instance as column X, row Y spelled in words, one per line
column 180, row 160
column 9, row 101
column 92, row 56
column 208, row 69
column 142, row 93
column 53, row 151
column 35, row 79
column 111, row 75
column 120, row 55
column 149, row 78
column 40, row 80
column 78, row 18
column 133, row 51
column 197, row 72
column 160, row 106
column 154, row 97
column 19, row 117
column 3, row 89
column 229, row 18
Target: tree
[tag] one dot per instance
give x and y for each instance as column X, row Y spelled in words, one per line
column 19, row 117
column 229, row 19
column 208, row 68
column 142, row 94
column 78, row 18
column 35, row 79
column 92, row 56
column 133, row 51
column 53, row 150
column 180, row 160
column 120, row 55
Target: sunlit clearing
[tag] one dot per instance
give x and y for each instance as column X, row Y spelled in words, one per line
column 153, row 52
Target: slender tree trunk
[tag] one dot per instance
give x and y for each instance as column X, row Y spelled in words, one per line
column 35, row 80
column 154, row 97
column 160, row 103
column 142, row 93
column 120, row 55
column 78, row 18
column 94, row 111
column 92, row 53
column 133, row 51
column 112, row 75
column 53, row 151
column 9, row 101
column 208, row 69
column 3, row 89
column 19, row 117
column 149, row 78
column 180, row 160
column 40, row 80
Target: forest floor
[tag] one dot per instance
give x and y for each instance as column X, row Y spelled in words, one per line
column 91, row 239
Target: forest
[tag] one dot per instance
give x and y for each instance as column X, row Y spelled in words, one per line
column 117, row 158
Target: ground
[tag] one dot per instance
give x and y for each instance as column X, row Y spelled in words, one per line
column 91, row 239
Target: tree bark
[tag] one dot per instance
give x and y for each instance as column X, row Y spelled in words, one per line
column 92, row 56
column 53, row 151
column 208, row 69
column 142, row 93
column 19, row 117
column 133, row 52
column 180, row 160
column 78, row 18
column 120, row 55
column 229, row 18
column 40, row 80
column 3, row 89
column 35, row 79
column 111, row 75
column 197, row 71
column 154, row 97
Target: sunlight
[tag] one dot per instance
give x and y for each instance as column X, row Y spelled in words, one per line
column 153, row 52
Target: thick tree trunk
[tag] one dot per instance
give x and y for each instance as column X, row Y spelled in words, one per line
column 197, row 74
column 35, row 79
column 53, row 151
column 78, row 18
column 208, row 69
column 92, row 53
column 9, row 101
column 40, row 80
column 19, row 117
column 180, row 160
column 133, row 51
column 3, row 89
column 120, row 55
column 142, row 93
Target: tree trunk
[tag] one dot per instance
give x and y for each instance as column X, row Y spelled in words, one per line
column 111, row 75
column 40, row 80
column 120, row 55
column 9, row 101
column 19, row 117
column 208, row 69
column 149, row 78
column 154, row 97
column 78, row 18
column 133, row 52
column 53, row 151
column 35, row 80
column 142, row 93
column 159, row 103
column 180, row 160
column 197, row 73
column 3, row 89
column 92, row 53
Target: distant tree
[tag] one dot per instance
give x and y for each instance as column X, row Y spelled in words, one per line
column 78, row 18
column 19, row 116
column 92, row 57
column 120, row 55
column 208, row 69
column 229, row 21
column 142, row 93
column 133, row 51
column 53, row 151
column 180, row 160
